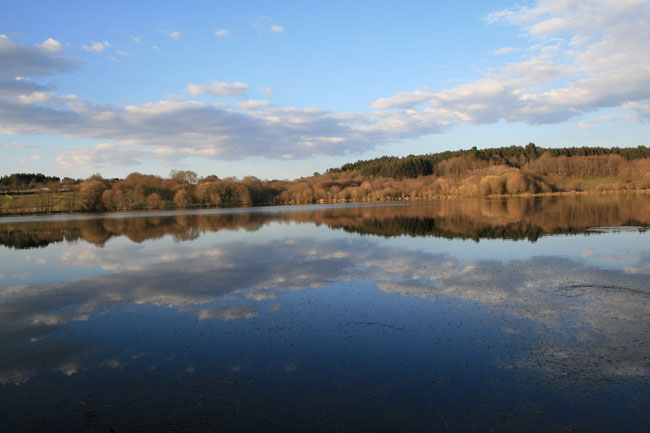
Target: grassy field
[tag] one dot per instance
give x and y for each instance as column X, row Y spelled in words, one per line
column 47, row 202
column 13, row 204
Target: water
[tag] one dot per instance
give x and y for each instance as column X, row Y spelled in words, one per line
column 478, row 315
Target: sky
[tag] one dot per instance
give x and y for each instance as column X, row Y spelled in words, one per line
column 279, row 90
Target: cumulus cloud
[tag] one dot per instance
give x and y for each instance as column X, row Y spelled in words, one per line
column 276, row 28
column 174, row 34
column 583, row 56
column 504, row 50
column 253, row 105
column 402, row 100
column 17, row 87
column 221, row 33
column 608, row 118
column 51, row 46
column 96, row 46
column 642, row 109
column 218, row 89
column 104, row 155
column 36, row 98
column 172, row 130
column 21, row 61
column 602, row 41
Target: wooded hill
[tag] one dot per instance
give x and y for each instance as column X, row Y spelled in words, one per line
column 515, row 170
column 514, row 156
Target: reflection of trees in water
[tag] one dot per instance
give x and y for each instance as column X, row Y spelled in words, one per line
column 417, row 227
column 516, row 219
column 138, row 229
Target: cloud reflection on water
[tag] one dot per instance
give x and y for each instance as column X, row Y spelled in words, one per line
column 595, row 321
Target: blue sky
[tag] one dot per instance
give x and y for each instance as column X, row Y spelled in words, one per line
column 283, row 90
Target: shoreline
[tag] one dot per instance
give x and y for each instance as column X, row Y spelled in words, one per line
column 335, row 201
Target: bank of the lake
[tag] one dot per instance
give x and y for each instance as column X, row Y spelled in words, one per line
column 47, row 203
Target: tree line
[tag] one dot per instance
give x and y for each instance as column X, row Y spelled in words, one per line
column 413, row 166
column 514, row 170
column 26, row 181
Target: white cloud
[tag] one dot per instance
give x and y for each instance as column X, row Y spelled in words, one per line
column 101, row 155
column 221, row 33
column 96, row 46
column 35, row 98
column 35, row 157
column 276, row 28
column 15, row 87
column 51, row 46
column 155, row 48
column 583, row 56
column 636, row 106
column 21, row 61
column 608, row 118
column 175, row 34
column 642, row 109
column 123, row 53
column 136, row 39
column 253, row 105
column 402, row 100
column 549, row 26
column 267, row 91
column 218, row 89
column 504, row 50
column 172, row 130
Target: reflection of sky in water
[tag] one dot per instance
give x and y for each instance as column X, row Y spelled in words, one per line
column 612, row 250
column 58, row 262
column 234, row 325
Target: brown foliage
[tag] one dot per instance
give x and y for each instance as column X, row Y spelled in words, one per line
column 90, row 194
column 182, row 198
column 154, row 201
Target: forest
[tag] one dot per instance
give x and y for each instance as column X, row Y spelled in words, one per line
column 507, row 171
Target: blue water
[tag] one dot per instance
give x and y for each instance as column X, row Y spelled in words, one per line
column 301, row 326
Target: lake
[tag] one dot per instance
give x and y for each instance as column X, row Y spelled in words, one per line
column 528, row 314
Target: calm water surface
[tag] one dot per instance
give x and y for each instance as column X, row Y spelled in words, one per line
column 478, row 315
